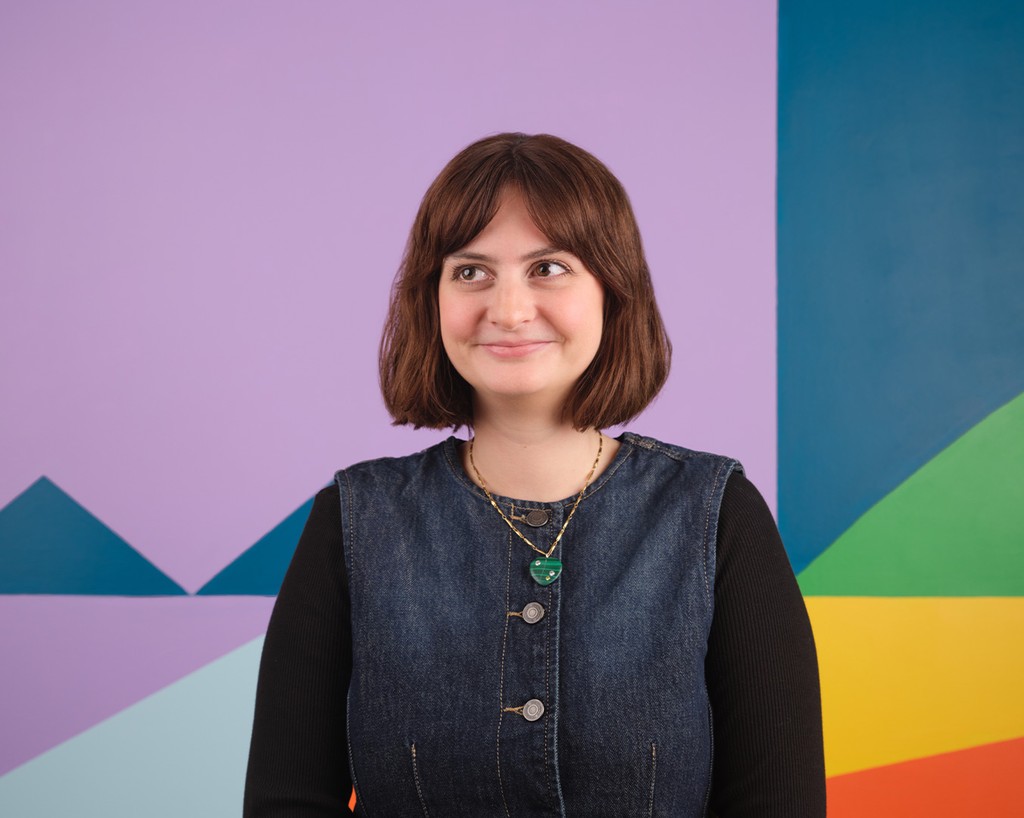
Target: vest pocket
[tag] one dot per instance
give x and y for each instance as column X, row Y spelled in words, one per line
column 416, row 780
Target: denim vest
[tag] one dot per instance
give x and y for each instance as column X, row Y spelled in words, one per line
column 477, row 692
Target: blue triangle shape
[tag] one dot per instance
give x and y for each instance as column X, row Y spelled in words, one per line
column 49, row 544
column 259, row 570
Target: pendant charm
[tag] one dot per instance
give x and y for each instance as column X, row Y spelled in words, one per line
column 545, row 570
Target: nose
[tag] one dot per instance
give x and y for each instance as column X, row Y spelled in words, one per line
column 512, row 303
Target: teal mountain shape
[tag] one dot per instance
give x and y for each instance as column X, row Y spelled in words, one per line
column 260, row 569
column 49, row 544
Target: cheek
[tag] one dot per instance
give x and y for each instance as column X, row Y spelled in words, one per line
column 452, row 319
column 588, row 319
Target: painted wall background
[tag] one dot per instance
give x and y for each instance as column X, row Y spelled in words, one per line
column 901, row 391
column 203, row 206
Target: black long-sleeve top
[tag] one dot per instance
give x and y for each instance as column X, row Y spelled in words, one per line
column 761, row 671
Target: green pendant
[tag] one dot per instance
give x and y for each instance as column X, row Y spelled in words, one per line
column 545, row 570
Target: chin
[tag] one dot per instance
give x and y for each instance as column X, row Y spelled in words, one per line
column 513, row 392
column 521, row 391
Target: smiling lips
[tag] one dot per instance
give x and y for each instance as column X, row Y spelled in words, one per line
column 514, row 349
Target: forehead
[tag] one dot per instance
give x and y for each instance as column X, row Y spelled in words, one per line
column 511, row 230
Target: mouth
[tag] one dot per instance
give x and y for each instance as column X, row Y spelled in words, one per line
column 514, row 349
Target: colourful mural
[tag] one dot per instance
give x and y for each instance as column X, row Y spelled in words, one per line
column 901, row 393
column 205, row 204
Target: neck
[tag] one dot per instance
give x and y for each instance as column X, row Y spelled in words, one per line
column 543, row 462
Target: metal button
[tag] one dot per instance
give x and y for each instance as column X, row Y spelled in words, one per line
column 538, row 517
column 533, row 612
column 533, row 710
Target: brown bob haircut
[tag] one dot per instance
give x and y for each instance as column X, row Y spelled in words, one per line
column 582, row 209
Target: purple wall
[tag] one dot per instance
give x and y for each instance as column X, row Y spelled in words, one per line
column 204, row 205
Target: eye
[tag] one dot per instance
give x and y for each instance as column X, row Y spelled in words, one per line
column 469, row 273
column 551, row 269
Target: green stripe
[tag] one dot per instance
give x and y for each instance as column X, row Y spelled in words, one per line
column 953, row 528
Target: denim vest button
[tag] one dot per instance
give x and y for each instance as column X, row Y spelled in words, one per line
column 533, row 710
column 533, row 612
column 538, row 517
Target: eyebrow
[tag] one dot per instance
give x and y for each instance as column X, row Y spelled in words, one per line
column 531, row 256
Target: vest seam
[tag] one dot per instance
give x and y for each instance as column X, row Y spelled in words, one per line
column 349, row 548
column 501, row 678
column 711, row 753
column 555, row 629
column 708, row 597
column 347, row 553
column 671, row 451
column 654, row 772
column 416, row 779
column 547, row 695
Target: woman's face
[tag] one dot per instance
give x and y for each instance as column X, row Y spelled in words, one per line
column 520, row 319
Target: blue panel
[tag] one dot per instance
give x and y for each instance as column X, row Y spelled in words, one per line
column 260, row 569
column 900, row 244
column 49, row 544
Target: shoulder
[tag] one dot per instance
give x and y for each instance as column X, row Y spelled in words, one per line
column 743, row 497
column 656, row 451
column 748, row 535
column 389, row 469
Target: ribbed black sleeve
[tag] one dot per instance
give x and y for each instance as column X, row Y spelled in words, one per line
column 761, row 670
column 298, row 763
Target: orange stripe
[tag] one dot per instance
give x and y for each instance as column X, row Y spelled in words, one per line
column 983, row 780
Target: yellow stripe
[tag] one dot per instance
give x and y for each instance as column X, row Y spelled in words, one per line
column 907, row 677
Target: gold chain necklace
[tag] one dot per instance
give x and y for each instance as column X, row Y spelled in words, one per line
column 546, row 569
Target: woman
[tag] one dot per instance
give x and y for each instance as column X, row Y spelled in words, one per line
column 541, row 620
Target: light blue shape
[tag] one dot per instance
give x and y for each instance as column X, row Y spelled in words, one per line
column 180, row 752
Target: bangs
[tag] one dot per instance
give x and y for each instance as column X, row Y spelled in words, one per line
column 573, row 200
